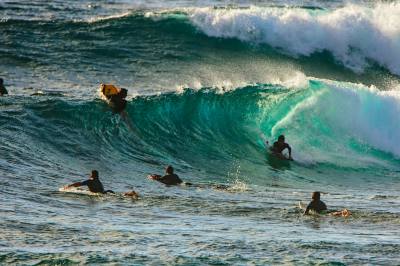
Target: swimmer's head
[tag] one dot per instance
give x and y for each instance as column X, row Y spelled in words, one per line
column 169, row 170
column 95, row 174
column 316, row 195
column 281, row 138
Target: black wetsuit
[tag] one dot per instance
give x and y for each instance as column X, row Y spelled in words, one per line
column 170, row 180
column 95, row 186
column 317, row 206
column 278, row 147
column 3, row 90
column 117, row 103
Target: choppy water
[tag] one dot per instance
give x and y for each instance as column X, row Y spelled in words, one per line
column 208, row 82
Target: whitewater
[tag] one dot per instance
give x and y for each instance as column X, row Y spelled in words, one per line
column 209, row 82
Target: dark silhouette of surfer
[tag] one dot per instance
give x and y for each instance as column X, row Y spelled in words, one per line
column 3, row 90
column 93, row 184
column 117, row 102
column 316, row 204
column 169, row 179
column 279, row 146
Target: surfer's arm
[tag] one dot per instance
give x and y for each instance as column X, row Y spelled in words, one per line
column 290, row 151
column 77, row 184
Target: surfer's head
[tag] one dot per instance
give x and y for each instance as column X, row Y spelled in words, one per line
column 169, row 170
column 281, row 138
column 95, row 174
column 316, row 195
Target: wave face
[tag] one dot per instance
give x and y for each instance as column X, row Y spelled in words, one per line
column 327, row 123
column 209, row 83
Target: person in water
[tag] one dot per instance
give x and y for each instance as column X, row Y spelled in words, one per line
column 319, row 206
column 93, row 184
column 316, row 204
column 169, row 179
column 3, row 90
column 279, row 146
column 118, row 102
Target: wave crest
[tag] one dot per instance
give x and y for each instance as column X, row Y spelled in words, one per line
column 355, row 35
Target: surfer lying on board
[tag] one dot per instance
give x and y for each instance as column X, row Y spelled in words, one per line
column 169, row 179
column 279, row 146
column 93, row 184
column 2, row 88
column 318, row 206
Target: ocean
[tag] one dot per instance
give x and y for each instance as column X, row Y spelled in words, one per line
column 208, row 83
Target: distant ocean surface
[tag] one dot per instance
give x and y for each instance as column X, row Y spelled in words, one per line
column 208, row 82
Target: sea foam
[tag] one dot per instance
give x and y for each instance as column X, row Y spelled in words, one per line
column 355, row 35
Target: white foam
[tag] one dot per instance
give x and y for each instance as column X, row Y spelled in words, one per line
column 75, row 190
column 354, row 34
column 368, row 114
column 346, row 112
column 110, row 17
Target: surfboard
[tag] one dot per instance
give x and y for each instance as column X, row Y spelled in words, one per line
column 79, row 191
column 108, row 90
column 75, row 190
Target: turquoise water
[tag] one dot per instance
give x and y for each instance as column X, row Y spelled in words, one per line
column 208, row 83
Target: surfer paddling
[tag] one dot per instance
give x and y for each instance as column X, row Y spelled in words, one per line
column 169, row 179
column 318, row 206
column 93, row 184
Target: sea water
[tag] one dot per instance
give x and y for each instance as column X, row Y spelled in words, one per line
column 208, row 82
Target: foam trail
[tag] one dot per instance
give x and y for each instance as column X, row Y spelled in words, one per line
column 110, row 17
column 355, row 35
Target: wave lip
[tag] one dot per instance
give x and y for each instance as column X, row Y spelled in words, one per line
column 355, row 35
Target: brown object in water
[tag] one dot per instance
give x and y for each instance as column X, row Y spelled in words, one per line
column 342, row 213
column 131, row 194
